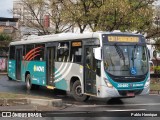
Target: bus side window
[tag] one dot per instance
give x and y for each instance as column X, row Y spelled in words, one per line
column 63, row 52
column 76, row 54
column 12, row 52
column 28, row 49
column 39, row 55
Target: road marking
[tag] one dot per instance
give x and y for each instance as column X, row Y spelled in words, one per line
column 147, row 104
column 125, row 110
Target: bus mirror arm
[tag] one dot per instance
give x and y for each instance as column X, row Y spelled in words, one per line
column 98, row 53
column 149, row 56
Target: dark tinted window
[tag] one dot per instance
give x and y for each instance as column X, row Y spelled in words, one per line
column 29, row 52
column 63, row 52
column 39, row 52
column 12, row 52
column 76, row 51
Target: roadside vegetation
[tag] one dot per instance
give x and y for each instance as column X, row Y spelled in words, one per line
column 155, row 84
column 6, row 95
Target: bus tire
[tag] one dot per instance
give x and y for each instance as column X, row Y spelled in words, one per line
column 29, row 84
column 9, row 78
column 76, row 90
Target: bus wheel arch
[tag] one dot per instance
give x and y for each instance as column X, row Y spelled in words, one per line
column 77, row 89
column 73, row 79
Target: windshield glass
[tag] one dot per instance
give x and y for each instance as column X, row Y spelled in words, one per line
column 125, row 60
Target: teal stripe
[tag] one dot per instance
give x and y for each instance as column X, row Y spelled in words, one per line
column 128, row 86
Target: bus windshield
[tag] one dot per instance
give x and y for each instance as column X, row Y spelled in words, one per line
column 120, row 60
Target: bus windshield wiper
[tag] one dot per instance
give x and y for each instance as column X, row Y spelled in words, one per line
column 134, row 54
column 120, row 53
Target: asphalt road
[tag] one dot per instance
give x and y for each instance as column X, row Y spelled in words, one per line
column 113, row 108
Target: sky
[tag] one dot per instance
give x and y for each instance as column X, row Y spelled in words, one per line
column 5, row 7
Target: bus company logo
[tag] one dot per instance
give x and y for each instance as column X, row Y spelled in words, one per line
column 131, row 85
column 38, row 68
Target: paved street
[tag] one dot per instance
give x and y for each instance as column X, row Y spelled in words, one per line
column 93, row 106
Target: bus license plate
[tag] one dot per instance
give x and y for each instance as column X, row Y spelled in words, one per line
column 130, row 94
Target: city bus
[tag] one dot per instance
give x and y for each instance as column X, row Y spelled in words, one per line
column 99, row 64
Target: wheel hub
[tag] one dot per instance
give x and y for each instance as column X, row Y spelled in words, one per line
column 79, row 90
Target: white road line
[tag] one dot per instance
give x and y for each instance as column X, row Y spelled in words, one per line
column 147, row 104
column 125, row 110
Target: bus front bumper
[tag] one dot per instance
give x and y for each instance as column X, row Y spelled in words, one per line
column 113, row 92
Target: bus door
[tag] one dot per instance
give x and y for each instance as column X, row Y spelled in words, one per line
column 89, row 70
column 18, row 61
column 50, row 59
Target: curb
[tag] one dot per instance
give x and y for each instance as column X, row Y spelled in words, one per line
column 3, row 73
column 13, row 102
column 44, row 102
column 154, row 92
column 27, row 101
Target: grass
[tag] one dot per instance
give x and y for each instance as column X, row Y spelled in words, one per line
column 155, row 84
column 14, row 95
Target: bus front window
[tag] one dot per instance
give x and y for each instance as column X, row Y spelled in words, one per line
column 118, row 60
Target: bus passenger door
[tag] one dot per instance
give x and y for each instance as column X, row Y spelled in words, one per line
column 18, row 62
column 89, row 71
column 50, row 65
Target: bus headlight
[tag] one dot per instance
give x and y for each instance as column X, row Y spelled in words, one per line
column 108, row 83
column 147, row 83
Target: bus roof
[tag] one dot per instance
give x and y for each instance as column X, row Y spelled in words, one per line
column 65, row 36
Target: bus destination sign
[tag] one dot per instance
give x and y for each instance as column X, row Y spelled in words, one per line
column 76, row 44
column 123, row 39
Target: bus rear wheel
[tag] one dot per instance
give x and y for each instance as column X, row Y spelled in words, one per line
column 77, row 92
column 9, row 78
column 28, row 82
column 29, row 85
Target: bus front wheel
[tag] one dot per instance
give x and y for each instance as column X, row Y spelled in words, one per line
column 77, row 92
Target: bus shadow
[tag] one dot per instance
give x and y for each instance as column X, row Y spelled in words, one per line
column 115, row 101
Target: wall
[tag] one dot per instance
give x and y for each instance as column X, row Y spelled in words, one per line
column 3, row 64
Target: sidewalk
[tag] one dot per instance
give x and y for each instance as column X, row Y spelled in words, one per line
column 154, row 92
column 30, row 104
column 29, row 108
column 3, row 73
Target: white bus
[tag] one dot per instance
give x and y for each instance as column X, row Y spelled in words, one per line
column 100, row 64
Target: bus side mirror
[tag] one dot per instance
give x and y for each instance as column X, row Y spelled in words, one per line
column 97, row 53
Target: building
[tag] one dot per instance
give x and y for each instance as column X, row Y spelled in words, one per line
column 8, row 27
column 40, row 21
column 27, row 20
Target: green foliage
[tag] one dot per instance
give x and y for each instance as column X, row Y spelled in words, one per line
column 5, row 37
column 157, row 69
column 155, row 85
column 98, row 15
column 108, row 15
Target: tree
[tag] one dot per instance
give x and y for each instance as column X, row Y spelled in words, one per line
column 76, row 12
column 154, row 31
column 59, row 23
column 108, row 15
column 5, row 37
column 103, row 15
column 33, row 14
